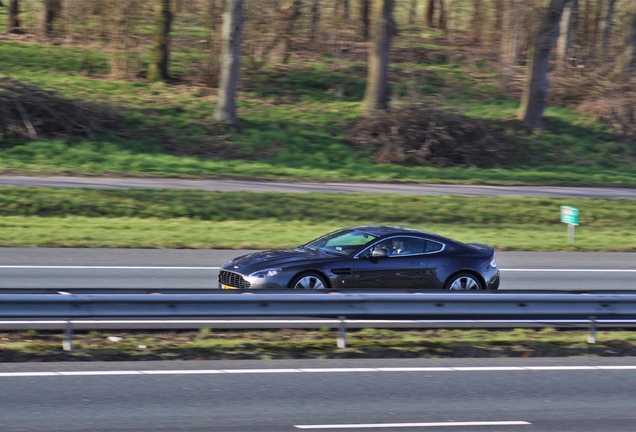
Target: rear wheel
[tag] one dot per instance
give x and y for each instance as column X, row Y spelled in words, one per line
column 309, row 281
column 463, row 282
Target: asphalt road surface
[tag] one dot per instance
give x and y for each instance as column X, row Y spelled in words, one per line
column 327, row 187
column 156, row 268
column 559, row 395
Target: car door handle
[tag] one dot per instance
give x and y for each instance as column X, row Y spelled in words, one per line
column 415, row 264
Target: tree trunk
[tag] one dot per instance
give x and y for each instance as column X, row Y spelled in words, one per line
column 429, row 13
column 376, row 95
column 158, row 67
column 50, row 11
column 230, row 61
column 513, row 14
column 586, row 24
column 289, row 14
column 567, row 27
column 596, row 26
column 534, row 98
column 365, row 9
column 477, row 21
column 606, row 25
column 442, row 15
column 13, row 26
column 499, row 12
column 336, row 8
column 413, row 12
column 627, row 62
column 315, row 20
column 345, row 12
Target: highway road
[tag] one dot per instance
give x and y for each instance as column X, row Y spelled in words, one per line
column 325, row 187
column 156, row 268
column 387, row 395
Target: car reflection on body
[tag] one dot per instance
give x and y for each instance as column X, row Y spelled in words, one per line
column 367, row 257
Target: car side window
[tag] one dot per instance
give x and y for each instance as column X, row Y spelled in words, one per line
column 402, row 246
column 432, row 246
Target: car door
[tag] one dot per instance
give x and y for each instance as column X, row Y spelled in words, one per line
column 439, row 264
column 404, row 270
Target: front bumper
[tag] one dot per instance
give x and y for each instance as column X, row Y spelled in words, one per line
column 232, row 281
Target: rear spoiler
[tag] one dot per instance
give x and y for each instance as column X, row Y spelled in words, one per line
column 481, row 247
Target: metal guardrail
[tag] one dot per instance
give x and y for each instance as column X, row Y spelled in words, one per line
column 469, row 305
column 408, row 307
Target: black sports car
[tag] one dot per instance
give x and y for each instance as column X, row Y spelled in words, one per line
column 368, row 257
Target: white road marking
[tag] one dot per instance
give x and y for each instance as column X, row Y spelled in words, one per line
column 405, row 425
column 318, row 370
column 104, row 267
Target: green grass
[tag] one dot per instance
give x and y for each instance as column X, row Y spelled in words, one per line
column 312, row 207
column 294, row 123
column 243, row 220
column 76, row 231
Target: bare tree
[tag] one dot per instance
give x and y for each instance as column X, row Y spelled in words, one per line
column 314, row 20
column 567, row 27
column 13, row 26
column 50, row 11
column 158, row 67
column 341, row 10
column 442, row 21
column 534, row 98
column 230, row 62
column 429, row 13
column 365, row 12
column 606, row 24
column 412, row 12
column 595, row 25
column 376, row 95
column 499, row 12
column 513, row 16
column 289, row 13
column 477, row 20
column 627, row 61
column 121, row 20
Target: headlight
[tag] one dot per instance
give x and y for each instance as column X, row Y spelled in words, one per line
column 266, row 273
column 493, row 263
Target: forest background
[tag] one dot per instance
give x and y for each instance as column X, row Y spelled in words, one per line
column 135, row 87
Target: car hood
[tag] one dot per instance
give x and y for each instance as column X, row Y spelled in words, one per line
column 274, row 258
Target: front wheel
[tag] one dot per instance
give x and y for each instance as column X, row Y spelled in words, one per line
column 309, row 281
column 463, row 282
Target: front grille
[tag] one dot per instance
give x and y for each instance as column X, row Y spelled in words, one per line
column 233, row 279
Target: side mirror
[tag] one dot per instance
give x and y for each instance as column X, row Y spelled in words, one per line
column 380, row 252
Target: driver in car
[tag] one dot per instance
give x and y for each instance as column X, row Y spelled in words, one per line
column 398, row 247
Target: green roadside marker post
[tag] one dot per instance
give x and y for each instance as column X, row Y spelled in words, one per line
column 570, row 216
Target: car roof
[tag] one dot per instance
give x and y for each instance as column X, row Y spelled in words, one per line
column 385, row 230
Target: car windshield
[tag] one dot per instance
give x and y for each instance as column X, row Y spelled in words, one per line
column 342, row 242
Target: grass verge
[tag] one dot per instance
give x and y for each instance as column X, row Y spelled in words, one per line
column 266, row 234
column 241, row 220
column 313, row 344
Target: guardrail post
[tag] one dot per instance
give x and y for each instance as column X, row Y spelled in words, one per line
column 591, row 338
column 342, row 333
column 67, row 344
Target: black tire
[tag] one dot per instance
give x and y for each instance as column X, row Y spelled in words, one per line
column 463, row 281
column 309, row 280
